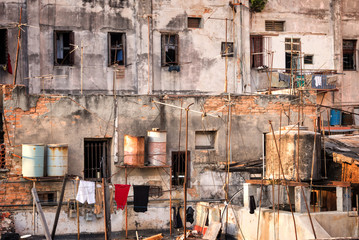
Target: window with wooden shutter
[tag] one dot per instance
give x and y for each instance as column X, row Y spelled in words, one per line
column 170, row 49
column 256, row 51
column 3, row 46
column 64, row 48
column 349, row 56
column 276, row 26
column 116, row 49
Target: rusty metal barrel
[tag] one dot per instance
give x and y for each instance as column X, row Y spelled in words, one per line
column 33, row 160
column 57, row 160
column 134, row 151
column 157, row 141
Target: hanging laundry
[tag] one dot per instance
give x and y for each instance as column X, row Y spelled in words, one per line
column 119, row 57
column 189, row 215
column 9, row 67
column 177, row 221
column 176, row 68
column 252, row 204
column 99, row 199
column 140, row 197
column 86, row 192
column 121, row 193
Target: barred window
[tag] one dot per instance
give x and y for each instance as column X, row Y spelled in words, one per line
column 276, row 26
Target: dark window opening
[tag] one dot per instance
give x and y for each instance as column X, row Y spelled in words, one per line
column 227, row 49
column 96, row 153
column 256, row 51
column 3, row 46
column 194, row 22
column 178, row 168
column 277, row 26
column 292, row 45
column 155, row 191
column 308, row 59
column 117, row 48
column 47, row 197
column 64, row 47
column 169, row 45
column 205, row 139
column 349, row 56
column 292, row 62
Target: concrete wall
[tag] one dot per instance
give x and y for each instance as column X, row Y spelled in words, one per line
column 203, row 69
column 321, row 26
column 69, row 119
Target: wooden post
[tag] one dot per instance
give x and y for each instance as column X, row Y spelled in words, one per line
column 33, row 209
column 185, row 175
column 226, row 62
column 126, row 204
column 18, row 48
column 82, row 65
column 42, row 216
column 104, row 210
column 59, row 204
column 107, row 209
column 78, row 210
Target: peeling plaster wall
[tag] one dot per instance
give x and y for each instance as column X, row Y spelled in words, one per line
column 202, row 67
column 321, row 26
column 69, row 119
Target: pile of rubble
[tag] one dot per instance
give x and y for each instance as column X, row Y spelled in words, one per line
column 6, row 223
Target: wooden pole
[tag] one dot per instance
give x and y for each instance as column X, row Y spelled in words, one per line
column 42, row 215
column 82, row 65
column 148, row 55
column 59, row 205
column 33, row 209
column 18, row 48
column 185, row 175
column 78, row 210
column 226, row 62
column 228, row 156
column 171, row 200
column 126, row 211
column 104, row 210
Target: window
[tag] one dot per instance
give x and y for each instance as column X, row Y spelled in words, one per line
column 178, row 168
column 256, row 51
column 194, row 22
column 64, row 47
column 308, row 59
column 292, row 53
column 47, row 197
column 155, row 191
column 96, row 154
column 116, row 49
column 3, row 46
column 227, row 49
column 169, row 45
column 277, row 26
column 349, row 57
column 205, row 139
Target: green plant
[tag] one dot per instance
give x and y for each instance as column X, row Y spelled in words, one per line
column 258, row 5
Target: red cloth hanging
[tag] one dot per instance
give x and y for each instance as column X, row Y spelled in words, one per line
column 121, row 193
column 9, row 68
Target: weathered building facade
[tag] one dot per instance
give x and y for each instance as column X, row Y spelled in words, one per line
column 95, row 71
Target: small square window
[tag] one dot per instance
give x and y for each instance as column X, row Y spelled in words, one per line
column 47, row 197
column 276, row 26
column 117, row 49
column 205, row 139
column 169, row 45
column 227, row 49
column 308, row 59
column 64, row 47
column 3, row 46
column 194, row 22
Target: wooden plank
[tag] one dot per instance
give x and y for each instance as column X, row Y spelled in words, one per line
column 42, row 215
column 212, row 231
column 59, row 208
column 277, row 182
column 155, row 237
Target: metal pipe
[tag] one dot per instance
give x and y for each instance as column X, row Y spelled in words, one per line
column 18, row 48
column 226, row 62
